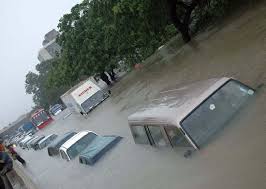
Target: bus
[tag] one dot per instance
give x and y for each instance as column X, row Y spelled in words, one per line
column 41, row 119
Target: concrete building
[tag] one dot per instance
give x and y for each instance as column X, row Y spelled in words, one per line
column 51, row 48
column 51, row 35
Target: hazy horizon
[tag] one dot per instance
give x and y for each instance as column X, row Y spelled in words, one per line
column 24, row 24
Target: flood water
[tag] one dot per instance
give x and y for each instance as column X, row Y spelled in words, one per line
column 234, row 159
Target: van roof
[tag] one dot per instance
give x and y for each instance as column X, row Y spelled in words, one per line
column 171, row 106
column 75, row 138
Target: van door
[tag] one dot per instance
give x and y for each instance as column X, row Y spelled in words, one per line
column 152, row 135
column 156, row 136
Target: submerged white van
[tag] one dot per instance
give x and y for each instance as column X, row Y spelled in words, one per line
column 189, row 115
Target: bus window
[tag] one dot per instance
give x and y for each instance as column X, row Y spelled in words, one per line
column 157, row 136
column 140, row 135
column 176, row 137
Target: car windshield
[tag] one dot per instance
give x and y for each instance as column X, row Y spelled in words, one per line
column 213, row 113
column 80, row 145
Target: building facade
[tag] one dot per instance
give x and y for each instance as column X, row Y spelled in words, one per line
column 51, row 48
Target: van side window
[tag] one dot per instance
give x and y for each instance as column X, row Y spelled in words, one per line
column 176, row 137
column 139, row 135
column 157, row 136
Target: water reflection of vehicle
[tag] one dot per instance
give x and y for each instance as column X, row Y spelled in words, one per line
column 190, row 115
column 41, row 119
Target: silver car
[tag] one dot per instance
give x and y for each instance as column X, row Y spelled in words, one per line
column 46, row 141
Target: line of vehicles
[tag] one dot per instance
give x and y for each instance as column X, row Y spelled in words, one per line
column 83, row 98
column 87, row 144
column 185, row 117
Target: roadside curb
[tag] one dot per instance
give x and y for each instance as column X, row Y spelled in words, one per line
column 20, row 179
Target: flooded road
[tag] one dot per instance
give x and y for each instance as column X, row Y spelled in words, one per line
column 234, row 159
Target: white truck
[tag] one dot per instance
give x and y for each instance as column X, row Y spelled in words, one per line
column 85, row 96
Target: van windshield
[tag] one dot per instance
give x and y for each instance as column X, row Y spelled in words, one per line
column 80, row 145
column 213, row 113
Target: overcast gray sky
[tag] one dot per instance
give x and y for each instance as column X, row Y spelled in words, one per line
column 23, row 26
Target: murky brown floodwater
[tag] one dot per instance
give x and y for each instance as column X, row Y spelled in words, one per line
column 235, row 159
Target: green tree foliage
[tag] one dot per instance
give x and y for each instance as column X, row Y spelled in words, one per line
column 37, row 84
column 97, row 34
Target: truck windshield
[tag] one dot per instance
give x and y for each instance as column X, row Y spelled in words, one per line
column 213, row 113
column 80, row 145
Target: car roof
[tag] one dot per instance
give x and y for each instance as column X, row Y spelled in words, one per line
column 37, row 140
column 32, row 139
column 25, row 141
column 26, row 138
column 75, row 138
column 172, row 105
column 61, row 138
column 45, row 138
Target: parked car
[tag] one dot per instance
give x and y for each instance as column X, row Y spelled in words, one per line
column 34, row 143
column 27, row 144
column 19, row 140
column 89, row 145
column 191, row 115
column 76, row 144
column 22, row 142
column 46, row 141
column 53, row 148
column 97, row 148
column 56, row 109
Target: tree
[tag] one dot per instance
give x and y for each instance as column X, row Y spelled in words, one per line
column 37, row 85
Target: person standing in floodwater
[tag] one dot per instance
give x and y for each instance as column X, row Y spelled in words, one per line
column 15, row 155
column 6, row 165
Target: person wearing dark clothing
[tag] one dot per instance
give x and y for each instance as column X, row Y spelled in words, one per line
column 15, row 155
column 6, row 165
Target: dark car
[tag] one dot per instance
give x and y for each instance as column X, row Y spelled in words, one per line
column 53, row 148
column 97, row 148
column 34, row 143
